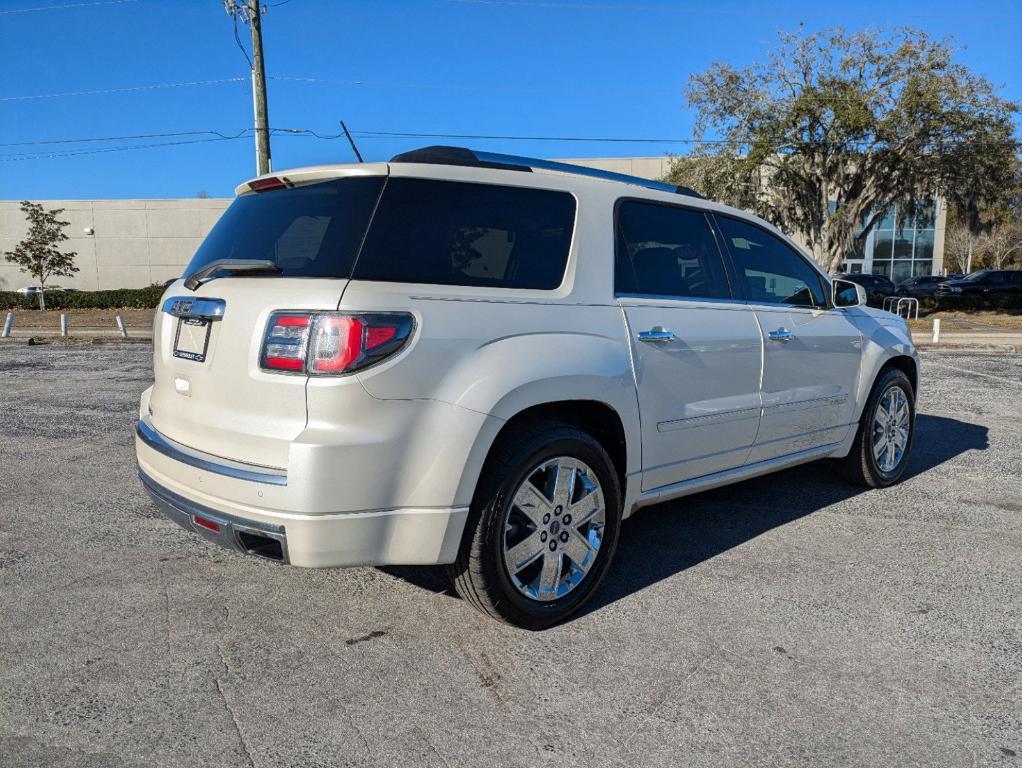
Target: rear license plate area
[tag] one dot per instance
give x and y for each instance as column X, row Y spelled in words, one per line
column 191, row 341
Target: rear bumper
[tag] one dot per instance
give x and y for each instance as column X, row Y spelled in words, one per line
column 206, row 497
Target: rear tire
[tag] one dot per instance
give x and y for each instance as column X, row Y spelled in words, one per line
column 883, row 442
column 533, row 560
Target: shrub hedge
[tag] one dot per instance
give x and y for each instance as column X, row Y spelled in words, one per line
column 121, row 298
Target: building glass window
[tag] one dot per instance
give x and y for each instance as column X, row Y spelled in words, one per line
column 901, row 245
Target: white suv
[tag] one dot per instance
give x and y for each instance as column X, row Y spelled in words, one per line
column 490, row 361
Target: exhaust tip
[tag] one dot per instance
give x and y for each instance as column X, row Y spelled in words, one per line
column 262, row 546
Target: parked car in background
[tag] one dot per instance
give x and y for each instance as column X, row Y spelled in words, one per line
column 923, row 285
column 34, row 290
column 984, row 283
column 878, row 287
column 489, row 362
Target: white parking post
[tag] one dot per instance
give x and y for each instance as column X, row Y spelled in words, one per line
column 121, row 328
column 63, row 324
column 936, row 330
column 7, row 324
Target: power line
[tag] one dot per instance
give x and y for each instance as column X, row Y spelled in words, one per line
column 116, row 138
column 67, row 6
column 70, row 153
column 215, row 134
column 237, row 39
column 126, row 89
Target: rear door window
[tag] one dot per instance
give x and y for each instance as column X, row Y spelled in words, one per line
column 312, row 230
column 773, row 272
column 456, row 233
column 667, row 251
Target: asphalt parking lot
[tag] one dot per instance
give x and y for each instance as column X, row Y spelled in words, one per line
column 789, row 620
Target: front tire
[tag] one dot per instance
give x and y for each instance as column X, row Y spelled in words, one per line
column 542, row 528
column 879, row 455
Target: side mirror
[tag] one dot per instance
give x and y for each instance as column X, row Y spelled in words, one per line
column 847, row 294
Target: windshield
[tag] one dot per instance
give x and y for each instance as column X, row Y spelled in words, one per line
column 309, row 231
column 974, row 276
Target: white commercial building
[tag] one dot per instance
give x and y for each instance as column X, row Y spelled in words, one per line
column 119, row 243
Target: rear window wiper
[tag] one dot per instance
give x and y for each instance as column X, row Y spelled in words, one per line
column 195, row 279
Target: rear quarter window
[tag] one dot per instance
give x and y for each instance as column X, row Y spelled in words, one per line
column 457, row 233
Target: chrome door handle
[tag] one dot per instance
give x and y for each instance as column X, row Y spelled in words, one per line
column 656, row 335
column 781, row 334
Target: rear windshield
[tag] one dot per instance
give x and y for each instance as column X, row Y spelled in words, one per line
column 307, row 231
column 423, row 231
column 454, row 233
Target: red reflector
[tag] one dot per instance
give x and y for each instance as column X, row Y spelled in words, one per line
column 265, row 185
column 207, row 524
column 285, row 363
column 297, row 321
column 379, row 334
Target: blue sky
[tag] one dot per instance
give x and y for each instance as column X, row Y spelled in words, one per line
column 584, row 68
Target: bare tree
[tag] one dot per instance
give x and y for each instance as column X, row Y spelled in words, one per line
column 958, row 249
column 1001, row 248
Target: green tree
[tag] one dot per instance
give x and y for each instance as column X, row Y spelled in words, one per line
column 38, row 253
column 834, row 128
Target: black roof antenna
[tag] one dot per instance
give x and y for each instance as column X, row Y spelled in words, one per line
column 352, row 142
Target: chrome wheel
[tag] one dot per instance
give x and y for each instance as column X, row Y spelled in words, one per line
column 553, row 528
column 891, row 425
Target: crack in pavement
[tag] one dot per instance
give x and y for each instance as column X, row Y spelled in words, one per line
column 223, row 696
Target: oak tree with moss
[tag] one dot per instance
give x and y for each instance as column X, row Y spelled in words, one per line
column 39, row 254
column 834, row 128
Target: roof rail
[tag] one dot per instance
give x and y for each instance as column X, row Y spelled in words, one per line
column 440, row 155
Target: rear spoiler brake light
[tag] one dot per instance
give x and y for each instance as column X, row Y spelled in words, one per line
column 268, row 184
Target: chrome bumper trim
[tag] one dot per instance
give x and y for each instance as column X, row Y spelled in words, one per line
column 184, row 511
column 148, row 435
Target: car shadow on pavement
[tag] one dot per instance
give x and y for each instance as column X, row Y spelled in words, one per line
column 665, row 539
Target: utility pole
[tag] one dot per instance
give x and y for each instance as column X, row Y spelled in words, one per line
column 262, row 120
column 250, row 13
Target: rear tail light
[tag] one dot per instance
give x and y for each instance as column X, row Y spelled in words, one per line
column 332, row 343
